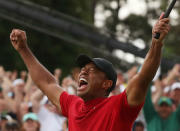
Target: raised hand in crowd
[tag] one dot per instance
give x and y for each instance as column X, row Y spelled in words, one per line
column 57, row 74
column 173, row 75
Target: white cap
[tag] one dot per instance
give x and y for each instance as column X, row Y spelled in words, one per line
column 17, row 82
column 44, row 100
column 157, row 74
column 176, row 85
column 167, row 89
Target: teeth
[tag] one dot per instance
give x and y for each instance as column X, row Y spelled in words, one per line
column 82, row 79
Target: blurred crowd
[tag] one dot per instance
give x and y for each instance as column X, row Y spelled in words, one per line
column 23, row 107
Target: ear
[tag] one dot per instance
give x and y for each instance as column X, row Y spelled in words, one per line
column 107, row 84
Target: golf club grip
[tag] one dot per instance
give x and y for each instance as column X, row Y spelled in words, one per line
column 166, row 15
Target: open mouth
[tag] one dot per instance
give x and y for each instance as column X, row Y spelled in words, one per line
column 82, row 84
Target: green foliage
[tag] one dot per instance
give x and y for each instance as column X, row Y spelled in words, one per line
column 54, row 53
column 77, row 8
column 51, row 52
column 140, row 26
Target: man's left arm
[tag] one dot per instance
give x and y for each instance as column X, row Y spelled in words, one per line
column 138, row 86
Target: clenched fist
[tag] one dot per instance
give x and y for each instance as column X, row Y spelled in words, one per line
column 18, row 39
column 162, row 26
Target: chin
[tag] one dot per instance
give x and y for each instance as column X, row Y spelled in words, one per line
column 81, row 94
column 164, row 116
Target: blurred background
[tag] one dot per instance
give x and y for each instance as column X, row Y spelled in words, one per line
column 59, row 30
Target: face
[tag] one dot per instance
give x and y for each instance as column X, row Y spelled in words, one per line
column 91, row 81
column 175, row 95
column 30, row 125
column 164, row 110
column 66, row 82
column 23, row 74
column 139, row 128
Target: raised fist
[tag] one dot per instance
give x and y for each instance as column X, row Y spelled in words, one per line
column 162, row 26
column 18, row 39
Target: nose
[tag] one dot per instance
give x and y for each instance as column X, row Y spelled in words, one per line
column 83, row 72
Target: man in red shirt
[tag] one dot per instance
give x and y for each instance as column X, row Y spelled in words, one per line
column 92, row 110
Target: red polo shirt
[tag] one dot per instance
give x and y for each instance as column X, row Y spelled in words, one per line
column 101, row 114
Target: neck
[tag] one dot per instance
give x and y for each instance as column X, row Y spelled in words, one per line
column 91, row 97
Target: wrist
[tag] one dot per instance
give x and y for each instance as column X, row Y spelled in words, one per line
column 23, row 49
column 157, row 42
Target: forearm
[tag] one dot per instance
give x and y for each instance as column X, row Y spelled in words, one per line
column 169, row 79
column 45, row 81
column 37, row 96
column 41, row 76
column 156, row 96
column 17, row 101
column 138, row 85
column 35, row 99
column 28, row 84
column 151, row 63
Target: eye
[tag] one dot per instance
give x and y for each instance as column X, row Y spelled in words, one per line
column 91, row 69
column 82, row 69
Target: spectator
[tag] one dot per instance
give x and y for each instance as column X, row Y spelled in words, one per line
column 164, row 119
column 30, row 122
column 14, row 75
column 69, row 85
column 23, row 75
column 3, row 121
column 50, row 118
column 138, row 126
column 57, row 74
column 16, row 99
column 131, row 73
column 12, row 126
column 48, row 115
column 175, row 93
column 8, row 123
column 120, row 85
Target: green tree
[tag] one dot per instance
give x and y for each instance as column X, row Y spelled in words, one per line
column 140, row 26
column 51, row 51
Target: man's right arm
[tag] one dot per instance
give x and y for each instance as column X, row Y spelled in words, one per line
column 40, row 75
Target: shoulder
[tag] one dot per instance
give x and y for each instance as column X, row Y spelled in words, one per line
column 121, row 101
column 118, row 97
column 69, row 98
column 69, row 102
